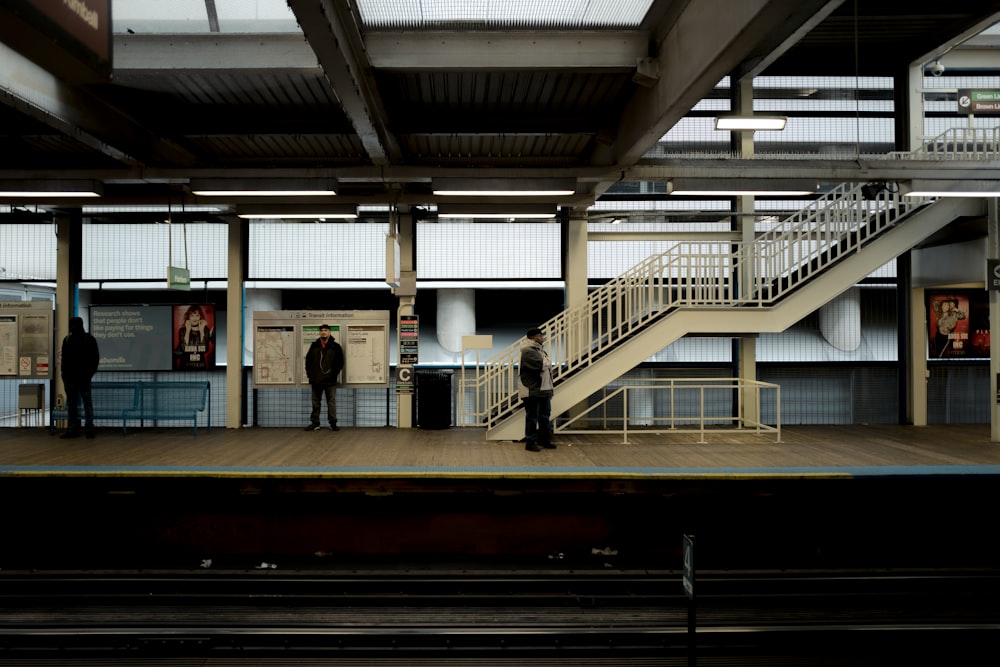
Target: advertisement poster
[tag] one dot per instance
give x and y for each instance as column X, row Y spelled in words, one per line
column 958, row 324
column 133, row 337
column 194, row 337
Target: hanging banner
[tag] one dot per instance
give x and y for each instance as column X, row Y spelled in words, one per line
column 178, row 279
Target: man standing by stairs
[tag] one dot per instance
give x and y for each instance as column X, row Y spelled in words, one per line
column 535, row 391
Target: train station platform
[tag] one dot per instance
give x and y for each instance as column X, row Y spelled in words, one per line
column 824, row 496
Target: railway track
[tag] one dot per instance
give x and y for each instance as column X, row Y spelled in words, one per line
column 498, row 617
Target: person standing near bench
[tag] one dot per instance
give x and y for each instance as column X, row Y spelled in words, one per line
column 324, row 361
column 79, row 359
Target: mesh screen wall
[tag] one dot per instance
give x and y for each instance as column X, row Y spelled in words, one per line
column 143, row 251
column 291, row 407
column 485, row 251
column 28, row 252
column 316, row 251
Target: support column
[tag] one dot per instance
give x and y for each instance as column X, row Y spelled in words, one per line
column 745, row 349
column 235, row 329
column 68, row 236
column 406, row 293
column 840, row 320
column 993, row 252
column 580, row 334
column 918, row 357
column 575, row 253
column 456, row 317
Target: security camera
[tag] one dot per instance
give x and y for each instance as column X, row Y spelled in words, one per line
column 937, row 69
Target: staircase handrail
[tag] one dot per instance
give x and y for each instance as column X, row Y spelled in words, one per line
column 703, row 274
column 957, row 143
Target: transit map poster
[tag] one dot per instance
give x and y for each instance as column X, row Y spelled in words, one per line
column 281, row 339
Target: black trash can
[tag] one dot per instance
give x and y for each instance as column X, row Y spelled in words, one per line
column 433, row 399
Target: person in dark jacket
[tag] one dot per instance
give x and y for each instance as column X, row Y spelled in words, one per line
column 324, row 361
column 79, row 359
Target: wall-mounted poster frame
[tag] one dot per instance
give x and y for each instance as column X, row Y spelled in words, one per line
column 958, row 323
column 26, row 334
column 281, row 338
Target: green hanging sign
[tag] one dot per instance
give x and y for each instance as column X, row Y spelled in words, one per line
column 178, row 278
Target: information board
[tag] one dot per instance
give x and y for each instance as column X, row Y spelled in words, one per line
column 281, row 339
column 26, row 334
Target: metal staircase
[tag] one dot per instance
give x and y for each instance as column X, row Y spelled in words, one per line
column 717, row 287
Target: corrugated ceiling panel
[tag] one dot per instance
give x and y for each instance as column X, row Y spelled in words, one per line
column 289, row 89
column 553, row 151
column 280, row 148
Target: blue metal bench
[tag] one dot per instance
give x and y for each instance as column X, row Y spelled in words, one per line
column 172, row 400
column 112, row 400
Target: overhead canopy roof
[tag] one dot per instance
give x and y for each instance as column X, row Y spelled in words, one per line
column 382, row 96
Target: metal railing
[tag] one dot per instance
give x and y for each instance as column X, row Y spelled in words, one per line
column 697, row 274
column 959, row 143
column 728, row 392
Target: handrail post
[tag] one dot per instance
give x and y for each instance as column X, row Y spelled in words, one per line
column 625, row 416
column 701, row 416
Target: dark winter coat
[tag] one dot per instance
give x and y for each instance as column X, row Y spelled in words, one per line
column 80, row 355
column 323, row 365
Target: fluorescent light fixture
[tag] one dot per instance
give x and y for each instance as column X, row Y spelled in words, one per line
column 48, row 189
column 297, row 211
column 503, row 187
column 928, row 188
column 498, row 211
column 264, row 187
column 156, row 208
column 735, row 187
column 750, row 122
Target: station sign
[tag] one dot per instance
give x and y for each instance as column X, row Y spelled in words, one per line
column 978, row 101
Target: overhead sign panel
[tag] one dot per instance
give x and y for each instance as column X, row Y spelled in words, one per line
column 69, row 38
column 974, row 101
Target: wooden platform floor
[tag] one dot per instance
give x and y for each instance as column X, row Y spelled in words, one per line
column 463, row 452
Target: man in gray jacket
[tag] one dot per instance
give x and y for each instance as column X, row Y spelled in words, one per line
column 535, row 391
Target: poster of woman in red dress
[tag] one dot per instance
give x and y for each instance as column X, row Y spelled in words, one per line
column 958, row 324
column 194, row 340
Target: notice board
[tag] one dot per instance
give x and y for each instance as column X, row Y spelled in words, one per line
column 26, row 339
column 282, row 338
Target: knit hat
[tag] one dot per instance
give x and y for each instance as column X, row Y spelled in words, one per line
column 533, row 331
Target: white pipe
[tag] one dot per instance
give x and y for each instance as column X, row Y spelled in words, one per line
column 456, row 317
column 840, row 321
